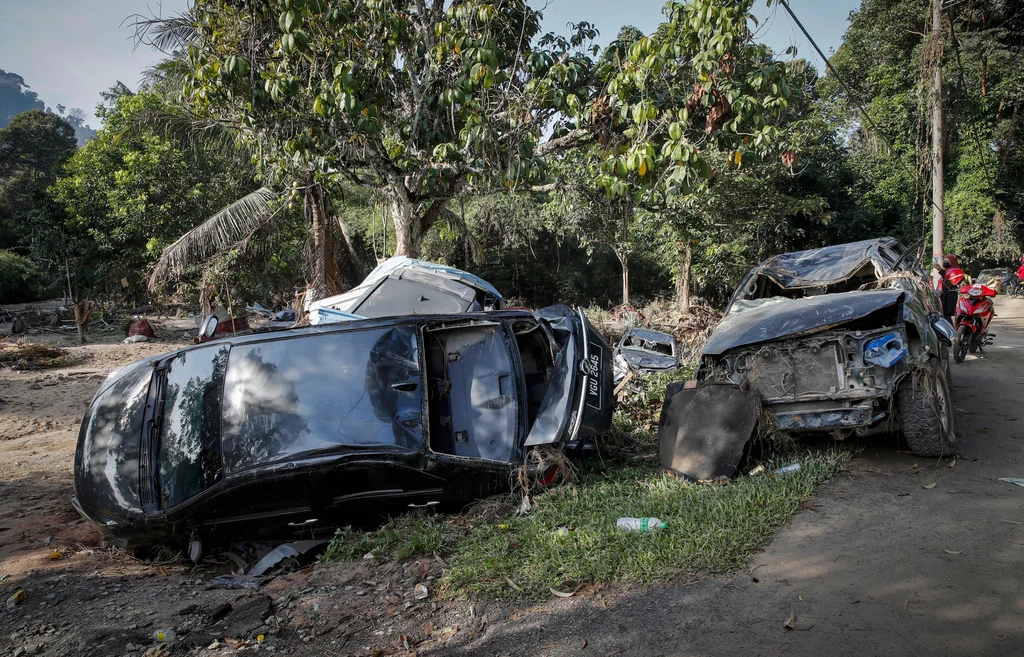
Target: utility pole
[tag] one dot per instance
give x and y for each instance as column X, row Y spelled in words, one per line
column 938, row 169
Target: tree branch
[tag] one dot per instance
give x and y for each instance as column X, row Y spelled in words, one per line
column 572, row 139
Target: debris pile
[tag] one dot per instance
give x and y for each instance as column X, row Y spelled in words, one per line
column 25, row 355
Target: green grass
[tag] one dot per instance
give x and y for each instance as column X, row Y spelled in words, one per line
column 711, row 529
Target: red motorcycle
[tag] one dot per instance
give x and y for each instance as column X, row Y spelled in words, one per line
column 974, row 312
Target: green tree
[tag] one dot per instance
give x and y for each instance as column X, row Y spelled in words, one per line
column 125, row 197
column 32, row 147
column 423, row 102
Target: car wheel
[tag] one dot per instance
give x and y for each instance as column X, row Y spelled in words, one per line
column 961, row 343
column 945, row 356
column 926, row 412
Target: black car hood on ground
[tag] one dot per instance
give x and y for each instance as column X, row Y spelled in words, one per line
column 822, row 266
column 765, row 320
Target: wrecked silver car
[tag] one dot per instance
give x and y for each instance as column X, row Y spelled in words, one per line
column 844, row 339
column 407, row 286
column 297, row 432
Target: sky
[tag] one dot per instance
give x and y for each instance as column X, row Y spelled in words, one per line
column 68, row 51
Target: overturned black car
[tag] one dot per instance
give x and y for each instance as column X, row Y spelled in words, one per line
column 296, row 432
column 844, row 339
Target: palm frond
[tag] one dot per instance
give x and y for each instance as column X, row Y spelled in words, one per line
column 176, row 32
column 219, row 233
column 188, row 131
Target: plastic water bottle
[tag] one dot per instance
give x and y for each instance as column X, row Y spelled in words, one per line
column 789, row 469
column 640, row 524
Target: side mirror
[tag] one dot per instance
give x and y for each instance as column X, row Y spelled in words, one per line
column 209, row 327
column 943, row 329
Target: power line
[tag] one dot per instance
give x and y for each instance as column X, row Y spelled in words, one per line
column 852, row 95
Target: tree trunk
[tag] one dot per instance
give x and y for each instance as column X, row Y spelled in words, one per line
column 624, row 261
column 403, row 216
column 324, row 277
column 685, row 250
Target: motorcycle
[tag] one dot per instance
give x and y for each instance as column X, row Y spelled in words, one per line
column 974, row 312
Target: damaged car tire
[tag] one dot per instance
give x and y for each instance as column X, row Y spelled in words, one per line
column 926, row 412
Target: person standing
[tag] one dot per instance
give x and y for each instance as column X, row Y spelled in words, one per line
column 950, row 277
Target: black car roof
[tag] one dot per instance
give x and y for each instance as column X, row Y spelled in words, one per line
column 824, row 265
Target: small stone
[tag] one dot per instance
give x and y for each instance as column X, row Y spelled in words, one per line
column 213, row 646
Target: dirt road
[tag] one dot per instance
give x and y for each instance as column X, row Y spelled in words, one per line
column 886, row 564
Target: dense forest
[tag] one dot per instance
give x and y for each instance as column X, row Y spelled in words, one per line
column 286, row 145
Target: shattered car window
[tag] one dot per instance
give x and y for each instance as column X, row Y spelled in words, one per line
column 347, row 389
column 189, row 457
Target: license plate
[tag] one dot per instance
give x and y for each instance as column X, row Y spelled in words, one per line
column 592, row 368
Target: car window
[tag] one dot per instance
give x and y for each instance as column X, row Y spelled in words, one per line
column 189, row 457
column 111, row 439
column 316, row 392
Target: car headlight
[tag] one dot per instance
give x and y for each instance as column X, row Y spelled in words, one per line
column 885, row 351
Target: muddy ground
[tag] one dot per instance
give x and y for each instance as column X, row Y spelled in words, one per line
column 884, row 564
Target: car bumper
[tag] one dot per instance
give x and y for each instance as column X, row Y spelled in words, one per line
column 824, row 419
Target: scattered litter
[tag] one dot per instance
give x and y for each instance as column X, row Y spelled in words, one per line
column 562, row 594
column 369, row 556
column 1012, row 480
column 47, row 540
column 230, row 582
column 640, row 524
column 132, row 339
column 953, row 464
column 213, row 646
column 562, row 531
column 16, row 598
column 759, row 470
column 282, row 552
column 421, row 592
column 524, row 506
column 164, row 636
column 790, row 622
column 56, row 555
column 928, row 486
column 792, row 468
column 953, row 551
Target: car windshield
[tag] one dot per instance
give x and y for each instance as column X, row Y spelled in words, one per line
column 351, row 389
column 189, row 457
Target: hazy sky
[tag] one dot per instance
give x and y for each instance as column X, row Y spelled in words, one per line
column 69, row 51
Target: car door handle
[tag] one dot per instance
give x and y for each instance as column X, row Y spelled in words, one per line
column 304, row 523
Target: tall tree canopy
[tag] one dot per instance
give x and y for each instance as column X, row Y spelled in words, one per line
column 418, row 100
column 32, row 148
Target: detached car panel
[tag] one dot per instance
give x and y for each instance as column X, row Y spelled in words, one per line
column 300, row 431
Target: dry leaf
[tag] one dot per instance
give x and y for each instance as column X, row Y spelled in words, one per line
column 561, row 594
column 929, row 486
column 953, row 551
column 513, row 584
column 790, row 622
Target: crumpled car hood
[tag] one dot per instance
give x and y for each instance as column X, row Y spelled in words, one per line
column 791, row 317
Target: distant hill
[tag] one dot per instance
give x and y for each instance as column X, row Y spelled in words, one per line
column 17, row 97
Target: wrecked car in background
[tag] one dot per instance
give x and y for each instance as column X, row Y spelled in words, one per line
column 644, row 350
column 297, row 432
column 844, row 339
column 405, row 286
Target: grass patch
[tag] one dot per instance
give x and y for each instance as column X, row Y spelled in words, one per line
column 711, row 529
